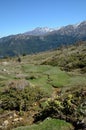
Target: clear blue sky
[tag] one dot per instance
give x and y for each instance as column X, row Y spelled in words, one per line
column 17, row 16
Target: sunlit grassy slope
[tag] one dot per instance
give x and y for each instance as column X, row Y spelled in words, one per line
column 44, row 76
column 49, row 124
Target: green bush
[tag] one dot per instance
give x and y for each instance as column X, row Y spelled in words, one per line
column 70, row 108
column 16, row 99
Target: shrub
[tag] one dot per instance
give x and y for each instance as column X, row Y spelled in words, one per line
column 70, row 108
column 19, row 59
column 13, row 98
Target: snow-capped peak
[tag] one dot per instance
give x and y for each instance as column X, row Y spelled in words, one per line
column 44, row 29
column 40, row 31
column 78, row 24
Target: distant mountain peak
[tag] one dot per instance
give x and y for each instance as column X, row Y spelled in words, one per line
column 79, row 24
column 39, row 31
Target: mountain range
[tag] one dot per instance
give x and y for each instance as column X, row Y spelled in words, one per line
column 42, row 39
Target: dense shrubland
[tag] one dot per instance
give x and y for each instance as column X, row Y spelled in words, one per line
column 20, row 99
column 70, row 107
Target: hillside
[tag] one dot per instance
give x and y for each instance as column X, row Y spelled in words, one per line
column 29, row 42
column 69, row 58
column 45, row 90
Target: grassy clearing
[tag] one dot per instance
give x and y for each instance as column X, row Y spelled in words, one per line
column 44, row 76
column 35, row 68
column 42, row 82
column 77, row 81
column 50, row 124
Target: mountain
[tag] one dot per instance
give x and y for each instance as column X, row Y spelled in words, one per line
column 39, row 31
column 42, row 39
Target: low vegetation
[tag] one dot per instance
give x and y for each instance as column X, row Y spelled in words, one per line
column 20, row 99
column 49, row 124
column 70, row 58
column 45, row 90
